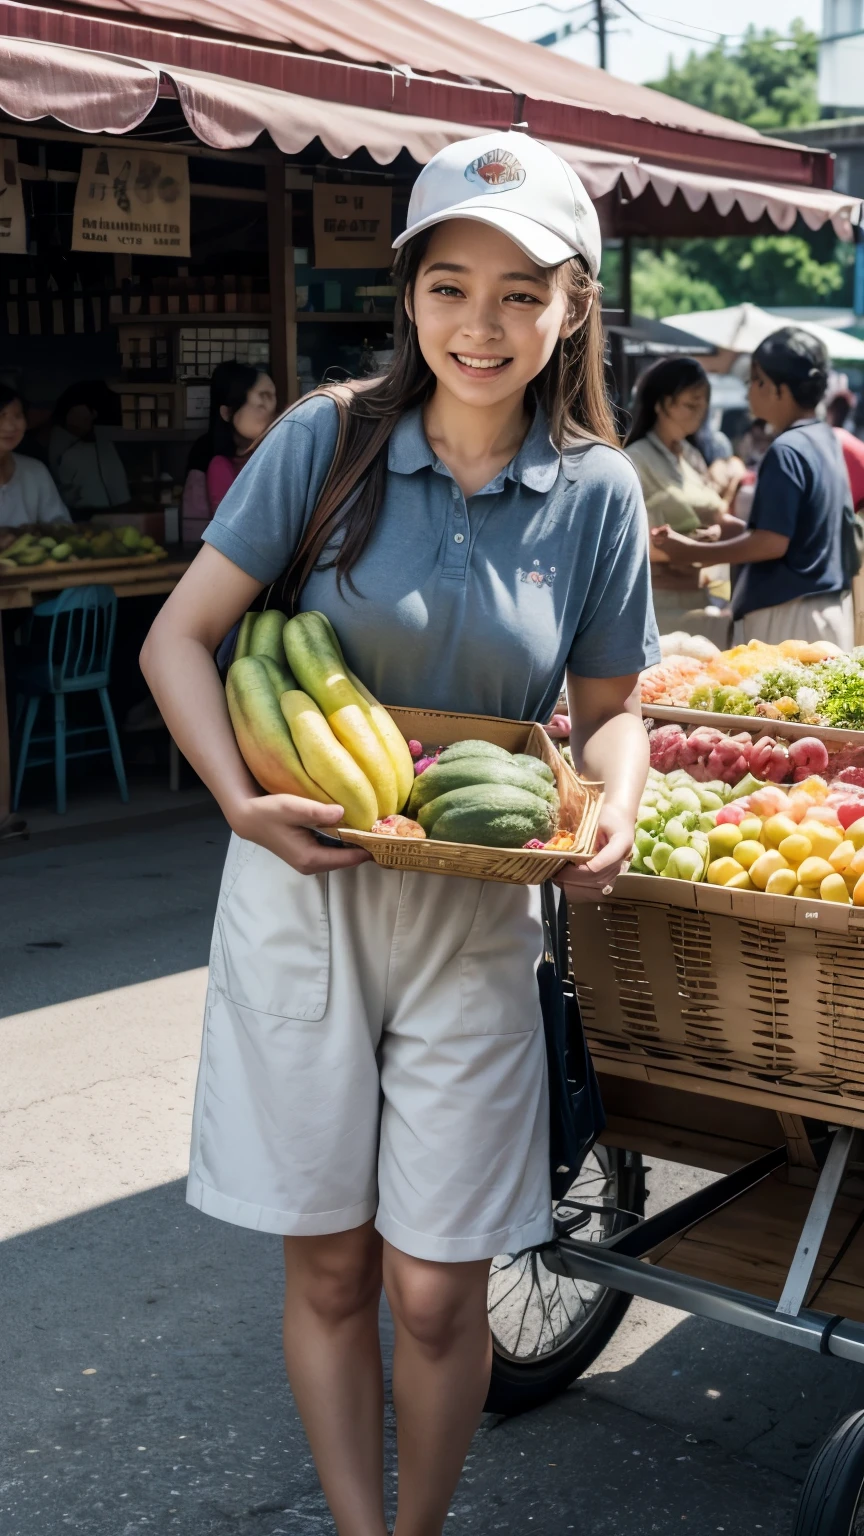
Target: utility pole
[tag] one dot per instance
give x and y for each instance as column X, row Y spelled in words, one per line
column 601, row 32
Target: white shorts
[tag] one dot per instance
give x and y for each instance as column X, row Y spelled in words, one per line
column 373, row 1047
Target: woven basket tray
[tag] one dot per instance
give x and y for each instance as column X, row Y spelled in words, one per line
column 742, row 990
column 580, row 806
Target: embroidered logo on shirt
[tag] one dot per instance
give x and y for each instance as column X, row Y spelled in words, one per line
column 498, row 168
column 536, row 576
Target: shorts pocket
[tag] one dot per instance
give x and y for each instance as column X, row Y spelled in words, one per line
column 498, row 963
column 271, row 949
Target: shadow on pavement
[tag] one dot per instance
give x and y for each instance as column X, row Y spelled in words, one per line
column 142, row 1389
column 108, row 913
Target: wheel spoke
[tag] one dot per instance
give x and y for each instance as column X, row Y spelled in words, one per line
column 534, row 1313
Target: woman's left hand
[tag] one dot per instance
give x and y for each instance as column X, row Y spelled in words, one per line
column 585, row 882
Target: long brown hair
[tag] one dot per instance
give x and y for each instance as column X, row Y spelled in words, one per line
column 571, row 390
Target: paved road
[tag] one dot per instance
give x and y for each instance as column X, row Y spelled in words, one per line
column 141, row 1383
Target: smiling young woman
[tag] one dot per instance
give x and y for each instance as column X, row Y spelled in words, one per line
column 373, row 1081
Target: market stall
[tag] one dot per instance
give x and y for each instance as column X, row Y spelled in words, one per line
column 279, row 169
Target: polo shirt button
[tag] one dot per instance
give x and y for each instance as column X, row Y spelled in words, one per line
column 458, row 538
column 454, row 492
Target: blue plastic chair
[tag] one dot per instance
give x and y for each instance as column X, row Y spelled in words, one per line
column 75, row 659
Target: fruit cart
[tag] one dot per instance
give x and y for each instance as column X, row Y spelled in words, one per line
column 727, row 1027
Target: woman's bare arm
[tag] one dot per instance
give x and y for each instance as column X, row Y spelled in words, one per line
column 177, row 661
column 608, row 742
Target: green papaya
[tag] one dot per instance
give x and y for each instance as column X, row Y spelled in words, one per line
column 472, row 749
column 281, row 678
column 492, row 815
column 536, row 763
column 266, row 637
column 262, row 734
column 244, row 635
column 461, row 772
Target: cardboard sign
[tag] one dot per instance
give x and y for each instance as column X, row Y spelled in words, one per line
column 13, row 225
column 134, row 200
column 352, row 225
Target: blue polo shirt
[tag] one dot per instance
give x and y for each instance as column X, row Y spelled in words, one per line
column 474, row 604
column 801, row 490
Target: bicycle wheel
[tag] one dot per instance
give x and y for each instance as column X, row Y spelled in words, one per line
column 546, row 1329
column 832, row 1499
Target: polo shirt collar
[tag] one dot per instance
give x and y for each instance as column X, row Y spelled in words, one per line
column 536, row 465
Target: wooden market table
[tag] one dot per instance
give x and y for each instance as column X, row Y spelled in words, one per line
column 30, row 584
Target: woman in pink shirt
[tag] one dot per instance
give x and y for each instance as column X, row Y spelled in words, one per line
column 242, row 406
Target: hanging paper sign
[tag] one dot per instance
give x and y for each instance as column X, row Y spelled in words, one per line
column 134, row 200
column 352, row 225
column 13, row 226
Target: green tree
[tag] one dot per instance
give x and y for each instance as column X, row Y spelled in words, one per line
column 769, row 81
column 664, row 284
column 772, row 270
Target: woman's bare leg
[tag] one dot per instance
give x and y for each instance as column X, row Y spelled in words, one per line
column 441, row 1363
column 333, row 1357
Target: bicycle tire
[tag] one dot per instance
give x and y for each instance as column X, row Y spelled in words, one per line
column 832, row 1493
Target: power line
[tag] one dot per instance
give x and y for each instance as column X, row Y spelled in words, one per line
column 539, row 5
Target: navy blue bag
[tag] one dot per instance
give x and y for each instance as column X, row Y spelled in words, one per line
column 576, row 1115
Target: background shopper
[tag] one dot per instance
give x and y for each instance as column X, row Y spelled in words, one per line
column 791, row 585
column 27, row 492
column 670, row 410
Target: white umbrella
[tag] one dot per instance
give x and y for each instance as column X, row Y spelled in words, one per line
column 741, row 328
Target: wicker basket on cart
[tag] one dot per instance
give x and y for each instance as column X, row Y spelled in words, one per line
column 736, row 993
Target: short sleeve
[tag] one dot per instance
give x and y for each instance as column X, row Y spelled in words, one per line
column 616, row 632
column 259, row 523
column 780, row 487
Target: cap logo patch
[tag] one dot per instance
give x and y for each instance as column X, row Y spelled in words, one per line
column 498, row 169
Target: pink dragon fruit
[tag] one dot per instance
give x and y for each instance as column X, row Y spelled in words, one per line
column 666, row 743
column 769, row 759
column 808, row 755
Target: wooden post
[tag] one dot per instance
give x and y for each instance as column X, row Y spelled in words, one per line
column 283, row 316
column 627, row 279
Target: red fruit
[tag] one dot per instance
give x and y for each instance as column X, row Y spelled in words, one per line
column 415, row 748
column 851, row 776
column 808, row 755
column 423, row 763
column 848, row 812
column 769, row 760
column 666, row 743
column 534, row 843
column 733, row 814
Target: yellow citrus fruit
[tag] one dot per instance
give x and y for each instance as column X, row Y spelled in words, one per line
column 722, row 871
column 795, row 848
column 747, row 852
column 776, row 828
column 723, row 839
column 740, row 882
column 782, row 882
column 751, row 828
column 814, row 870
column 764, row 868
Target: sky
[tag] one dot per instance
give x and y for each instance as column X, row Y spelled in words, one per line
column 637, row 49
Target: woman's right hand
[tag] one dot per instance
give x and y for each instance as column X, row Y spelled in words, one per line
column 280, row 823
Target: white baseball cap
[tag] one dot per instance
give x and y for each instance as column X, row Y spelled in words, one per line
column 515, row 184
